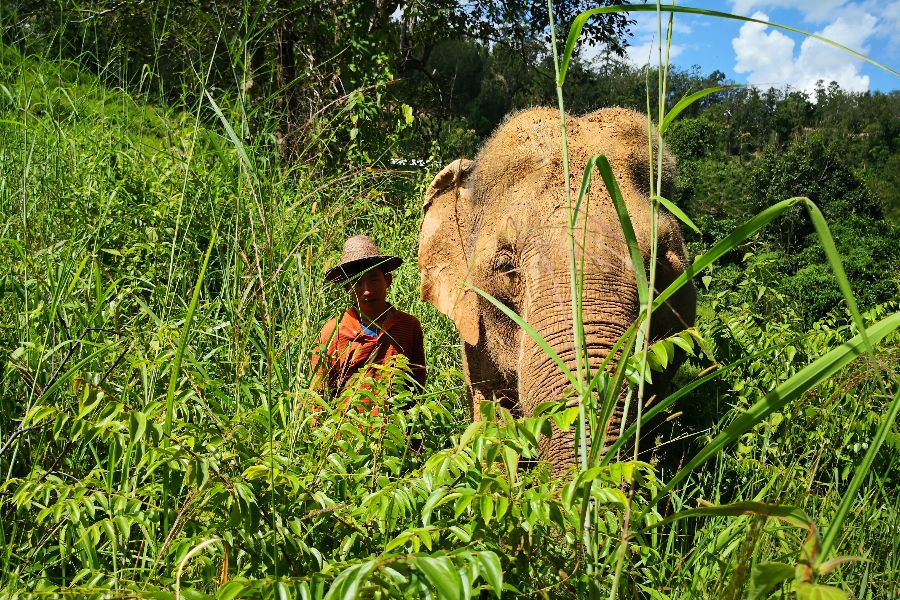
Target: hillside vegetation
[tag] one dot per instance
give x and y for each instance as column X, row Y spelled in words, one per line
column 162, row 254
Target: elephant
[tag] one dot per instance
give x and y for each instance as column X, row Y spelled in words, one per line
column 500, row 223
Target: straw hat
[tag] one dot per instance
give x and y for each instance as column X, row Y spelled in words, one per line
column 360, row 254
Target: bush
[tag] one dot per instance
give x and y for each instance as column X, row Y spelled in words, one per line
column 813, row 167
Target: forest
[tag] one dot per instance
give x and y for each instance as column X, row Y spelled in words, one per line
column 176, row 178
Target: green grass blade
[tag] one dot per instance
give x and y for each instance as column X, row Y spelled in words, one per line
column 834, row 259
column 734, row 239
column 637, row 259
column 580, row 20
column 533, row 334
column 679, row 214
column 235, row 140
column 789, row 514
column 806, row 379
column 860, row 473
column 614, row 388
column 688, row 100
column 585, row 186
column 749, row 228
column 662, row 405
column 575, row 279
column 182, row 340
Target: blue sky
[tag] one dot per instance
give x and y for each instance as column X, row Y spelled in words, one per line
column 770, row 57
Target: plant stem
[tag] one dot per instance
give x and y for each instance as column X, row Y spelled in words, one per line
column 860, row 473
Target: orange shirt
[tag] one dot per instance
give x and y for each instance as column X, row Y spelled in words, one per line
column 344, row 348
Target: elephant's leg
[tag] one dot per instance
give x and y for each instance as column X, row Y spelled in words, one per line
column 564, row 444
column 485, row 382
column 559, row 450
column 662, row 441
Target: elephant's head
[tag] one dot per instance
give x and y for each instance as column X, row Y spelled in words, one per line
column 500, row 223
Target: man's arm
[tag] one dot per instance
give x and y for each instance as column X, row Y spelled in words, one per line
column 321, row 360
column 417, row 355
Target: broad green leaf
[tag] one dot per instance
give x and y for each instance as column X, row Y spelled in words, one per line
column 511, row 461
column 230, row 590
column 281, row 592
column 663, row 352
column 489, row 568
column 408, row 114
column 346, row 585
column 487, row 508
column 461, row 534
column 654, row 594
column 400, row 540
column 255, row 472
column 111, row 534
column 792, row 389
column 488, row 410
column 424, row 536
column 137, row 424
column 463, row 503
column 809, row 591
column 432, row 501
column 38, row 414
column 565, row 418
column 305, row 592
column 471, row 431
column 442, row 574
column 765, row 577
column 90, row 401
column 501, row 505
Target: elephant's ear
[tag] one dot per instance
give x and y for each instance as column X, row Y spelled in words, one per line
column 443, row 263
column 450, row 176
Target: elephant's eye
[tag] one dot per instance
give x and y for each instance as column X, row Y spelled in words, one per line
column 504, row 264
column 508, row 284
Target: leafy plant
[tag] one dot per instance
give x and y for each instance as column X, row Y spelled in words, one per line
column 161, row 290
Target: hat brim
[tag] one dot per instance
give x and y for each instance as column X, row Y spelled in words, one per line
column 352, row 268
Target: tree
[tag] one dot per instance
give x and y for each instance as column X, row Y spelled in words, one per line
column 816, row 168
column 306, row 60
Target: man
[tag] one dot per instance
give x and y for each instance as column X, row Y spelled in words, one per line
column 373, row 331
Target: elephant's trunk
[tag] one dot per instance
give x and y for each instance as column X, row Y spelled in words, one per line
column 606, row 317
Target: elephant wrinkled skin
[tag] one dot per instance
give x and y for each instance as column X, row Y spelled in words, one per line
column 499, row 223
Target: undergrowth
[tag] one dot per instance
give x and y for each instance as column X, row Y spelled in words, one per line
column 162, row 287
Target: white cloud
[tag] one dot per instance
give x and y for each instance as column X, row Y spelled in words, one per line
column 826, row 11
column 816, row 11
column 648, row 52
column 767, row 56
column 643, row 49
column 646, row 25
column 888, row 23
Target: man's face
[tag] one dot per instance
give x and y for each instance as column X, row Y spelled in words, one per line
column 370, row 292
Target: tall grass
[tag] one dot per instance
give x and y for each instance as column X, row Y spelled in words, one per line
column 161, row 293
column 815, row 555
